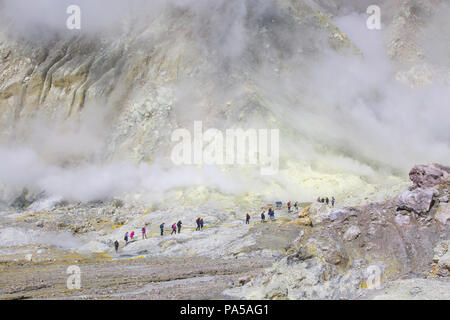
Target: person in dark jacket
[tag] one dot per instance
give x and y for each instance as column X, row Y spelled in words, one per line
column 179, row 224
column 247, row 218
column 116, row 245
column 162, row 228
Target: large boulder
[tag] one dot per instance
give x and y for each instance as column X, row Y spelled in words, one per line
column 340, row 215
column 352, row 233
column 418, row 200
column 427, row 176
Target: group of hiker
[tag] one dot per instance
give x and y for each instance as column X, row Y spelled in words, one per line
column 289, row 204
column 176, row 227
column 270, row 213
column 130, row 237
column 199, row 222
column 326, row 200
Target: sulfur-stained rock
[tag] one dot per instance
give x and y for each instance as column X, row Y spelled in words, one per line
column 444, row 261
column 443, row 214
column 303, row 213
column 305, row 221
column 441, row 258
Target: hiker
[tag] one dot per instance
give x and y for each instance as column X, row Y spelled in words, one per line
column 333, row 200
column 296, row 205
column 162, row 228
column 201, row 223
column 179, row 224
column 126, row 237
column 272, row 215
column 247, row 218
column 116, row 245
column 144, row 233
column 327, row 200
column 131, row 235
column 323, row 200
column 198, row 224
column 318, row 199
column 263, row 216
column 289, row 206
column 174, row 228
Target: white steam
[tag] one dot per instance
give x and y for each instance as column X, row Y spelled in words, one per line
column 346, row 122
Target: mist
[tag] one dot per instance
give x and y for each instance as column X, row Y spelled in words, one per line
column 347, row 122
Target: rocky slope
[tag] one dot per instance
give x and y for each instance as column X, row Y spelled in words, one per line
column 396, row 249
column 339, row 250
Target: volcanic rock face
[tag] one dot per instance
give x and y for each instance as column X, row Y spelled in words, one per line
column 340, row 256
column 427, row 176
column 429, row 184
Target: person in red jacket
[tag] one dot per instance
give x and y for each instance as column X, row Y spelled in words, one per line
column 174, row 228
